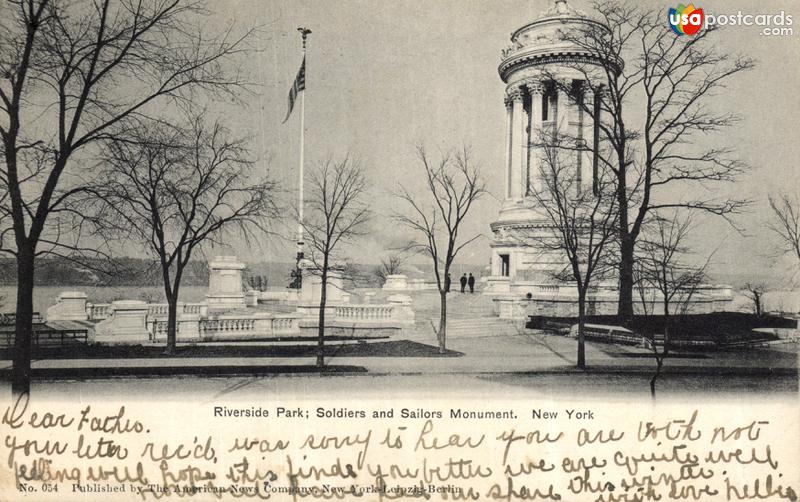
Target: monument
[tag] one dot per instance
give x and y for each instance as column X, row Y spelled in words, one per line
column 539, row 54
column 544, row 71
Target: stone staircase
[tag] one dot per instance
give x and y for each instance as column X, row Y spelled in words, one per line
column 426, row 305
column 468, row 316
column 480, row 326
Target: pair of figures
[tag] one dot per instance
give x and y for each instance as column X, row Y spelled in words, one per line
column 465, row 281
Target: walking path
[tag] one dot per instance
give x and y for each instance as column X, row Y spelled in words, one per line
column 530, row 352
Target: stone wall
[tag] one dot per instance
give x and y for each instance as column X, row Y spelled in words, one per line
column 562, row 301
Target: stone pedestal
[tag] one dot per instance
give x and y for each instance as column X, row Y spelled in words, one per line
column 402, row 308
column 310, row 311
column 497, row 284
column 396, row 282
column 71, row 306
column 251, row 298
column 188, row 328
column 311, row 289
column 225, row 284
column 511, row 308
column 127, row 323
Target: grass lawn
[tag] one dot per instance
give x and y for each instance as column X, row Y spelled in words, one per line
column 394, row 348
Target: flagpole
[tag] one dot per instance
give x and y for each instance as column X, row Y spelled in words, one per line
column 300, row 182
column 300, row 244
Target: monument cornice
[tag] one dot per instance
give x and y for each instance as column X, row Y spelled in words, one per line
column 521, row 224
column 527, row 59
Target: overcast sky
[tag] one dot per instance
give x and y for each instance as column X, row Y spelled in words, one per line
column 383, row 75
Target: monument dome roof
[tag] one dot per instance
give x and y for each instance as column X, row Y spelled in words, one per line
column 545, row 40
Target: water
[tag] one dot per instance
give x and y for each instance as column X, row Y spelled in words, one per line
column 773, row 301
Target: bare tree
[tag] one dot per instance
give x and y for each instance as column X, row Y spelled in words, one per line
column 177, row 189
column 72, row 75
column 581, row 221
column 336, row 213
column 651, row 95
column 391, row 265
column 786, row 222
column 454, row 184
column 755, row 291
column 661, row 261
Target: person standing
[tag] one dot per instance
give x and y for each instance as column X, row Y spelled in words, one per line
column 447, row 283
column 471, row 282
column 463, row 282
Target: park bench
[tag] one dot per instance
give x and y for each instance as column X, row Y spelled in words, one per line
column 48, row 336
column 10, row 318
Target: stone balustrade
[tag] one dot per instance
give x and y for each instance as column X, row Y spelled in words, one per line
column 229, row 327
column 101, row 311
column 285, row 325
column 363, row 312
column 529, row 298
column 194, row 308
column 135, row 322
column 398, row 310
column 161, row 310
column 158, row 309
column 98, row 311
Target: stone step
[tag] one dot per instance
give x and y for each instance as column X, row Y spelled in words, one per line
column 480, row 321
column 466, row 328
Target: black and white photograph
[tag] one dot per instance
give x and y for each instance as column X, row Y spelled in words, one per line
column 447, row 219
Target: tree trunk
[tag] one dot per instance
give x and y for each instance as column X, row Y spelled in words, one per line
column 581, row 327
column 323, row 298
column 659, row 364
column 442, row 322
column 626, row 262
column 23, row 325
column 172, row 322
column 666, row 326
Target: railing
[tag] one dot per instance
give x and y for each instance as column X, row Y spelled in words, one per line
column 158, row 329
column 227, row 326
column 193, row 308
column 10, row 318
column 48, row 337
column 98, row 311
column 546, row 288
column 284, row 325
column 158, row 310
column 162, row 309
column 365, row 312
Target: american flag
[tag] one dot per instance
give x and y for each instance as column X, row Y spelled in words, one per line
column 299, row 85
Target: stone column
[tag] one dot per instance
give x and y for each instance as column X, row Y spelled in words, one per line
column 585, row 137
column 509, row 144
column 563, row 110
column 536, row 90
column 519, row 149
